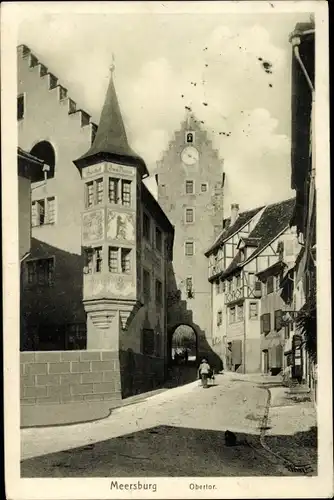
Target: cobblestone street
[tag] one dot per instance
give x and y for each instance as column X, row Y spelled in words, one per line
column 179, row 432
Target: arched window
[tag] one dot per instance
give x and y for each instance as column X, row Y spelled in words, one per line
column 45, row 152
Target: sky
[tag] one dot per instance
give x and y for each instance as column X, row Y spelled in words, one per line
column 166, row 61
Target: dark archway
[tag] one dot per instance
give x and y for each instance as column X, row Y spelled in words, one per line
column 44, row 151
column 182, row 344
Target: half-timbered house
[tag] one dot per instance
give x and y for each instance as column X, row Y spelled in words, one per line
column 245, row 248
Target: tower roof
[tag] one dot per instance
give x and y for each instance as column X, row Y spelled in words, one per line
column 111, row 141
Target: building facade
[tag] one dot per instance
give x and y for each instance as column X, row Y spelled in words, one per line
column 247, row 246
column 52, row 128
column 190, row 190
column 101, row 247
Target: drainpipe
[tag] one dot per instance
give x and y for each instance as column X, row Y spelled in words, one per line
column 296, row 41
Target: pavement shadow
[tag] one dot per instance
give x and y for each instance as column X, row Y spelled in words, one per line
column 160, row 451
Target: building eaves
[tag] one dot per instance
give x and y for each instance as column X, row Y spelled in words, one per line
column 243, row 219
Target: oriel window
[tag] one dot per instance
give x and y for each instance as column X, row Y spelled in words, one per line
column 98, row 259
column 113, row 190
column 113, row 259
column 125, row 260
column 99, row 191
column 126, row 193
column 90, row 194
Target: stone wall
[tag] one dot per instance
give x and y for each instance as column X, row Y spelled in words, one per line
column 69, row 376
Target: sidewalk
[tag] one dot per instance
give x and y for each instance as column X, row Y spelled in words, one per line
column 52, row 415
column 292, row 428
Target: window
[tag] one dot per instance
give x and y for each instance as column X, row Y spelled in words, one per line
column 238, row 281
column 270, row 284
column 148, row 341
column 189, row 187
column 94, row 193
column 204, row 187
column 119, row 260
column 146, row 227
column 125, row 260
column 158, row 293
column 147, row 285
column 222, row 286
column 189, row 248
column 232, row 314
column 89, row 194
column 217, row 287
column 219, row 318
column 278, row 320
column 93, row 260
column 113, row 190
column 99, row 191
column 40, row 272
column 76, row 336
column 43, row 212
column 277, row 283
column 20, row 107
column 240, row 312
column 190, row 137
column 113, row 259
column 158, row 239
column 189, row 215
column 251, row 280
column 253, row 310
column 265, row 323
column 98, row 259
column 126, row 193
column 189, row 284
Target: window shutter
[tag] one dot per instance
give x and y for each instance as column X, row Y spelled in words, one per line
column 278, row 319
column 266, row 323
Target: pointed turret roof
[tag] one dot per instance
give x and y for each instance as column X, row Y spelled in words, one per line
column 111, row 141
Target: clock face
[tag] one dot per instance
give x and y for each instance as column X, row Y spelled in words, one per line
column 189, row 155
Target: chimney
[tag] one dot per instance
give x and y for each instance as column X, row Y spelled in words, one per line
column 234, row 212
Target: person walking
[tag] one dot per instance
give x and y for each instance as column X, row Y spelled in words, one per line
column 203, row 372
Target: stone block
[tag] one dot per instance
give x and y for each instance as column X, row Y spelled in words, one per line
column 34, row 392
column 82, row 389
column 80, row 367
column 28, row 401
column 62, row 367
column 104, row 387
column 28, row 381
column 27, row 357
column 116, row 396
column 101, row 366
column 93, row 397
column 45, row 357
column 47, row 379
column 87, row 378
column 48, row 400
column 72, row 399
column 58, row 391
column 70, row 356
column 70, row 378
column 36, row 368
column 109, row 355
column 90, row 355
column 108, row 376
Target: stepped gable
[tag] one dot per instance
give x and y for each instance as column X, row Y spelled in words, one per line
column 111, row 142
column 53, row 84
column 242, row 219
column 274, row 220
